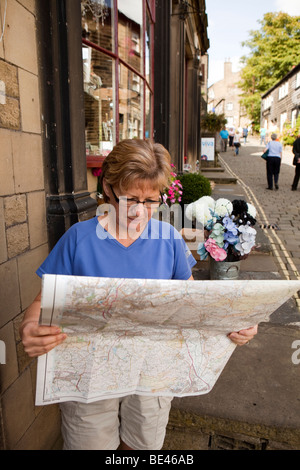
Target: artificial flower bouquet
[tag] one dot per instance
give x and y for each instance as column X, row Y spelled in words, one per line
column 228, row 226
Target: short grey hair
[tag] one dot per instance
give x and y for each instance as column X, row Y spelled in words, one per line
column 274, row 136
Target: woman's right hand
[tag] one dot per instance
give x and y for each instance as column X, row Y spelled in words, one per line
column 38, row 339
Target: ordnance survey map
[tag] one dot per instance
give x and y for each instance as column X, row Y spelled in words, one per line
column 135, row 336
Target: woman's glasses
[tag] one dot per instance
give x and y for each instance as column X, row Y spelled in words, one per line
column 148, row 203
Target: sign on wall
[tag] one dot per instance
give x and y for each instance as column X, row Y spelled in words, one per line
column 208, row 149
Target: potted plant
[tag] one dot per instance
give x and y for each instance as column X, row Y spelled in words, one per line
column 194, row 186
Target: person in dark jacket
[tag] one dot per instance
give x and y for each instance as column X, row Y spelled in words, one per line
column 296, row 152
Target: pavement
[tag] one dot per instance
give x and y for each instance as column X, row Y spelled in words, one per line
column 255, row 404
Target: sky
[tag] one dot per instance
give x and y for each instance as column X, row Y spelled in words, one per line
column 229, row 23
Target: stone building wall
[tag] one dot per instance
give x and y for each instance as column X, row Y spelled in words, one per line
column 23, row 231
column 275, row 107
column 224, row 98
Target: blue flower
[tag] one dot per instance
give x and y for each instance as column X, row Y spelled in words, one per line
column 202, row 251
column 230, row 225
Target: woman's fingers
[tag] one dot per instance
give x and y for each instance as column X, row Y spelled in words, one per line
column 243, row 336
column 38, row 339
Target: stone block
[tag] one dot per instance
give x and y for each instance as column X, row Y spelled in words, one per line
column 9, row 291
column 28, row 163
column 29, row 4
column 29, row 102
column 37, row 218
column 29, row 282
column 9, row 75
column 10, row 114
column 9, row 371
column 3, row 247
column 15, row 209
column 6, row 164
column 17, row 239
column 44, row 431
column 18, row 409
column 20, row 37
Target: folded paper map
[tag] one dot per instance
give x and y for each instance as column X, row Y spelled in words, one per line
column 147, row 337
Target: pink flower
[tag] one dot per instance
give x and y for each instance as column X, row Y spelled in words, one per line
column 214, row 250
column 97, row 171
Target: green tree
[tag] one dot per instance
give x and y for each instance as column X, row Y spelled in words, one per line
column 274, row 50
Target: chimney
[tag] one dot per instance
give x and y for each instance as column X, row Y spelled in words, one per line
column 227, row 68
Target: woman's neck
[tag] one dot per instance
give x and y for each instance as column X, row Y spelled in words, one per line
column 125, row 235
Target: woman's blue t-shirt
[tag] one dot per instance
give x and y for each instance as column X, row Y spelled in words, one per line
column 86, row 249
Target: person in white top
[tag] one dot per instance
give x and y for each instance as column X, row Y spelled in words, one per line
column 237, row 142
column 273, row 161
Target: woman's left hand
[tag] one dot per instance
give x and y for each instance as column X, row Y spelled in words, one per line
column 243, row 336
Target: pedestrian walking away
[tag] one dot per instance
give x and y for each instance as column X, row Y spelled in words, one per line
column 273, row 161
column 263, row 134
column 122, row 242
column 224, row 139
column 296, row 152
column 231, row 135
column 245, row 134
column 237, row 142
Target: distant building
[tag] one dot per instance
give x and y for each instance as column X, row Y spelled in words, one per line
column 281, row 103
column 224, row 98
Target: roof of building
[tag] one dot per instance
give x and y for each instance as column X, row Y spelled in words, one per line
column 295, row 69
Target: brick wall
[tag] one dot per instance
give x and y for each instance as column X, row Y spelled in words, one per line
column 23, row 233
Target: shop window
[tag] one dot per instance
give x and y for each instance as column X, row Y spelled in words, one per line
column 130, row 105
column 118, row 66
column 99, row 101
column 148, row 56
column 97, row 23
column 130, row 28
column 148, row 113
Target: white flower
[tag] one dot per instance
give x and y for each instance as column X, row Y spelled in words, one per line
column 190, row 211
column 207, row 200
column 200, row 209
column 246, row 239
column 223, row 207
column 251, row 210
column 202, row 213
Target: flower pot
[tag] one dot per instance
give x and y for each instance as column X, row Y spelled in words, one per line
column 224, row 270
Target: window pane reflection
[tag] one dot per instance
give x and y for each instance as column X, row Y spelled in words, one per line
column 97, row 22
column 148, row 123
column 130, row 32
column 98, row 80
column 130, row 105
column 148, row 50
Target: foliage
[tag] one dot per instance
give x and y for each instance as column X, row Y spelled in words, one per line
column 274, row 50
column 228, row 225
column 289, row 133
column 194, row 186
column 213, row 122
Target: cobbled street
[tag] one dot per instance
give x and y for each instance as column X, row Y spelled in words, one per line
column 277, row 210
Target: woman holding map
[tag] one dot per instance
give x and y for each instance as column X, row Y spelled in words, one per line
column 125, row 241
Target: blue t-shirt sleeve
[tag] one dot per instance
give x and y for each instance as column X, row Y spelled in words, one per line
column 183, row 259
column 60, row 259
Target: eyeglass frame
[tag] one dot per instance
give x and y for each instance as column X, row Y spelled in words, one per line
column 135, row 202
